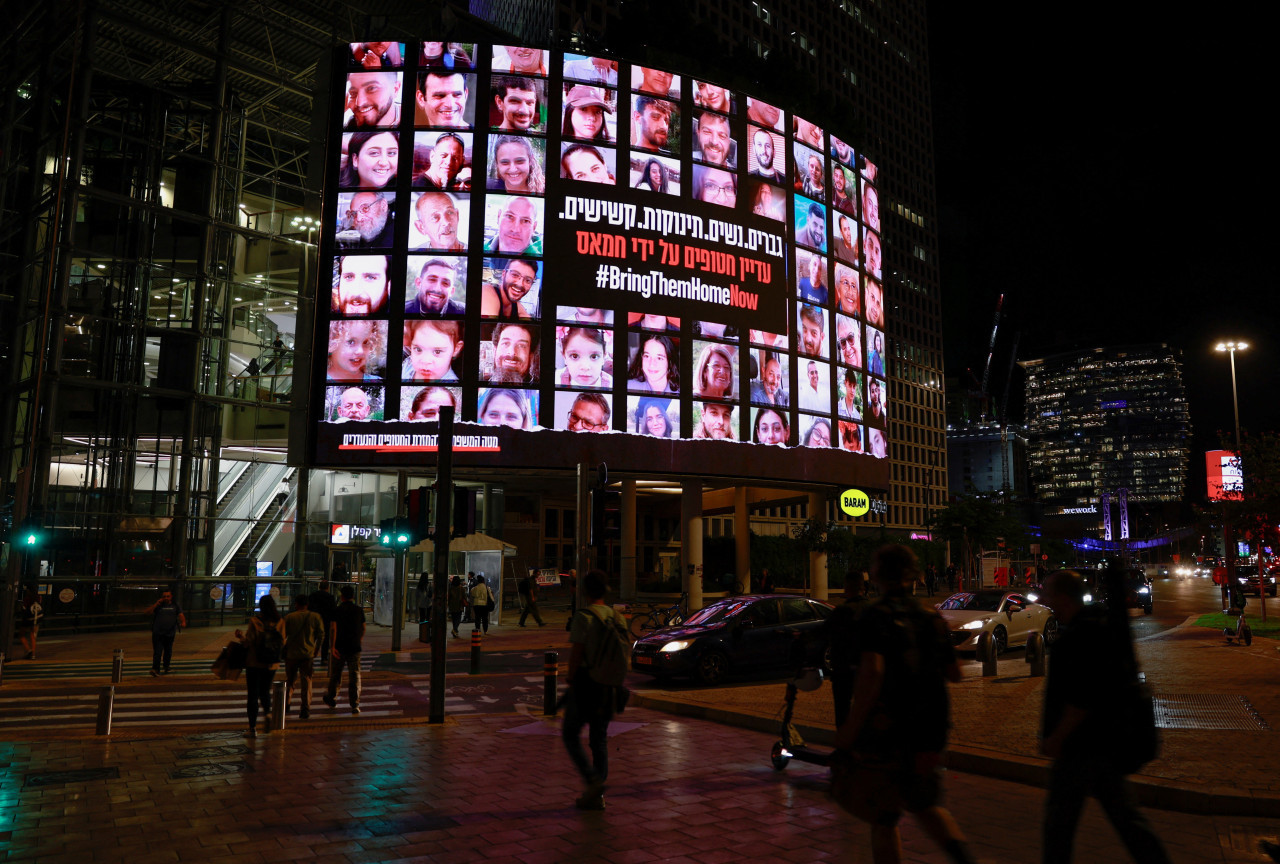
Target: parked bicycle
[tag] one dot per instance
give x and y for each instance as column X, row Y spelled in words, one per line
column 655, row 617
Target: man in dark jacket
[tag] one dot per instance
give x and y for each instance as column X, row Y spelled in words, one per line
column 1086, row 685
column 322, row 603
column 346, row 634
column 166, row 618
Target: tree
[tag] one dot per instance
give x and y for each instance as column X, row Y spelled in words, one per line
column 978, row 522
column 1253, row 515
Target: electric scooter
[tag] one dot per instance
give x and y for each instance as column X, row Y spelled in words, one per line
column 790, row 744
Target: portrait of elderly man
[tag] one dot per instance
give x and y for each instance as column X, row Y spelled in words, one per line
column 446, row 166
column 369, row 220
column 436, row 223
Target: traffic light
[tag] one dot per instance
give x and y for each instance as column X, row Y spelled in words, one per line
column 31, row 535
column 418, row 505
column 396, row 533
column 606, row 516
column 464, row 511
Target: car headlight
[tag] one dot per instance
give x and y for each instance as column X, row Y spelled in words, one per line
column 1242, row 579
column 1144, row 590
column 974, row 625
column 1088, row 598
column 1034, row 598
column 677, row 645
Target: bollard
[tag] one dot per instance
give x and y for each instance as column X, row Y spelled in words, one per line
column 549, row 672
column 106, row 701
column 475, row 652
column 987, row 654
column 279, row 703
column 1035, row 655
column 117, row 666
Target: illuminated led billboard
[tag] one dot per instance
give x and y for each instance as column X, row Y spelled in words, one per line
column 558, row 244
column 1224, row 475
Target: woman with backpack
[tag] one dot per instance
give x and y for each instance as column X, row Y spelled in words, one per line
column 264, row 639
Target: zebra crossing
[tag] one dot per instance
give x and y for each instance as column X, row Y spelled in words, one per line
column 218, row 704
column 34, row 670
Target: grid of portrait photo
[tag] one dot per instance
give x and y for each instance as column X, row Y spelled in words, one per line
column 444, row 291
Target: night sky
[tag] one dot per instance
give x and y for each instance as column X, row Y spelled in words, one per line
column 1105, row 171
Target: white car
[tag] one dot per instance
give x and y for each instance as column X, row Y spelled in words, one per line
column 1009, row 617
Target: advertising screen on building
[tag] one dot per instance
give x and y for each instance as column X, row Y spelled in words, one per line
column 1225, row 477
column 593, row 260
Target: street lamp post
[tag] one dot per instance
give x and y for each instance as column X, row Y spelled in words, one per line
column 1230, row 348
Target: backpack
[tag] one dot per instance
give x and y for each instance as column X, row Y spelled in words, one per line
column 607, row 647
column 269, row 649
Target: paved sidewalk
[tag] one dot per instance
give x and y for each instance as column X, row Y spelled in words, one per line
column 1221, row 761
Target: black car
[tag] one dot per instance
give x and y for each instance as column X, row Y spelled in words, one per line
column 1137, row 591
column 762, row 633
column 1250, row 583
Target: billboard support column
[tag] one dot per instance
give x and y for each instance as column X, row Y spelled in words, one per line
column 397, row 590
column 583, row 531
column 818, row 560
column 691, row 547
column 742, row 538
column 627, row 588
column 440, row 563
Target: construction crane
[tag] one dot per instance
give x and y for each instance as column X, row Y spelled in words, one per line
column 991, row 349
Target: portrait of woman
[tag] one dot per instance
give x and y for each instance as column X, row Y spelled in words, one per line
column 516, row 166
column 771, row 427
column 372, row 158
column 425, row 404
column 584, row 114
column 652, row 417
column 818, row 434
column 502, row 406
column 875, row 357
column 850, row 437
column 655, row 364
column 654, row 177
column 713, row 378
column 447, row 55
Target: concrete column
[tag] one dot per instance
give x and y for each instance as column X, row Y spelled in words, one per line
column 627, row 584
column 742, row 538
column 818, row 560
column 691, row 545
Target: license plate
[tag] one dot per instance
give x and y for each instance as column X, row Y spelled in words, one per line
column 644, row 661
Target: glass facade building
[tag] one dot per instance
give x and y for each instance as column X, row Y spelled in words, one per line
column 160, row 180
column 1104, row 419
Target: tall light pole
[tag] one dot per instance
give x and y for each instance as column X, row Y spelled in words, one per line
column 1231, row 348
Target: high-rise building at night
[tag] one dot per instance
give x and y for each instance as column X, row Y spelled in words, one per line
column 1104, row 419
column 160, row 215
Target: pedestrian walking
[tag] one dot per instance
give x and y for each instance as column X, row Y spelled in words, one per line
column 166, row 619
column 528, row 589
column 1084, row 697
column 890, row 744
column 264, row 639
column 425, row 594
column 931, row 579
column 570, row 581
column 597, row 667
column 766, row 582
column 303, row 640
column 482, row 604
column 346, row 634
column 323, row 604
column 952, row 573
column 839, row 635
column 29, row 613
column 457, row 599
column 468, row 615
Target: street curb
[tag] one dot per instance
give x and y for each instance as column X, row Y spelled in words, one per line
column 1031, row 771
